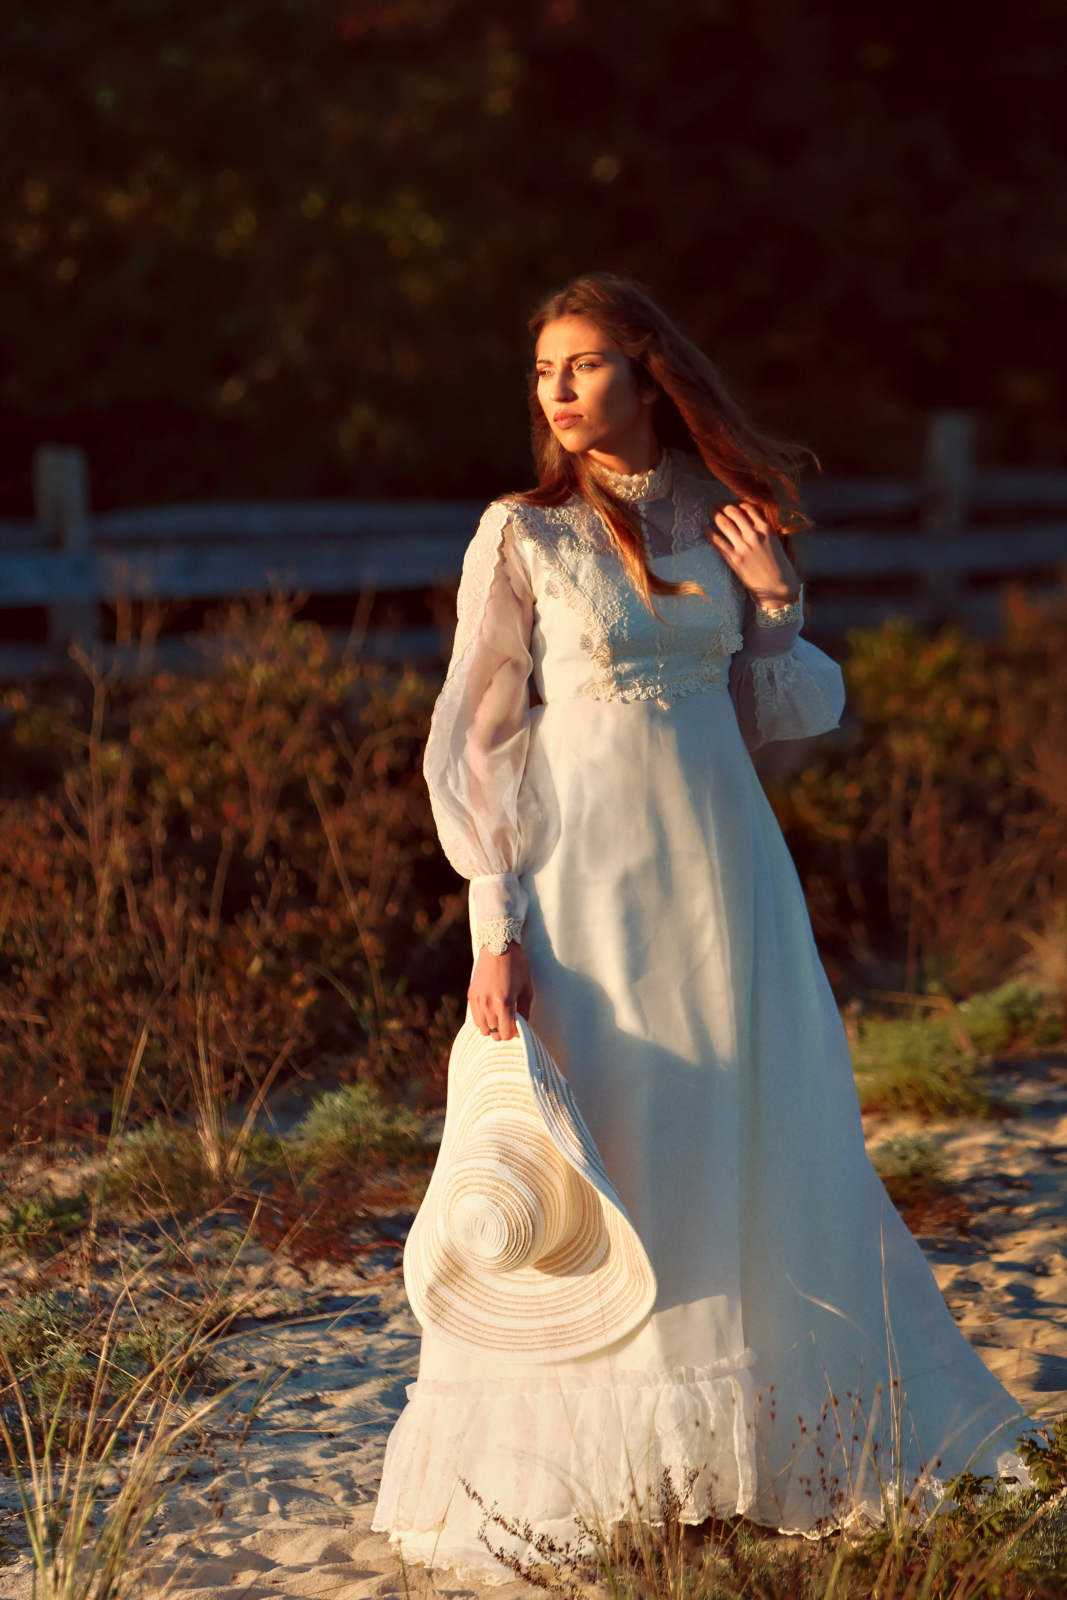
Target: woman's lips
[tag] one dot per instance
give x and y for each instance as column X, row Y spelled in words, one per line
column 564, row 419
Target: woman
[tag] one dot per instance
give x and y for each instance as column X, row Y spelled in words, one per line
column 632, row 895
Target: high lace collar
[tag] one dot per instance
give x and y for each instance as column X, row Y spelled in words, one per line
column 635, row 486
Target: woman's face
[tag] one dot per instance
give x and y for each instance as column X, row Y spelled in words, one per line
column 587, row 390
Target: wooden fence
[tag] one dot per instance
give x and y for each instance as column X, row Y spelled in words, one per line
column 939, row 547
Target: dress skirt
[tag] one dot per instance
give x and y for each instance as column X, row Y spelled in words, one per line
column 800, row 1365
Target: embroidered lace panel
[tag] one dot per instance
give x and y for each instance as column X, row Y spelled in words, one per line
column 496, row 933
column 637, row 657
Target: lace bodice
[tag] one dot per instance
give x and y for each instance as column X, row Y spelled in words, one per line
column 544, row 599
column 593, row 634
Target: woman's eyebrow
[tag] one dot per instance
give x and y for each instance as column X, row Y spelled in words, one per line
column 542, row 360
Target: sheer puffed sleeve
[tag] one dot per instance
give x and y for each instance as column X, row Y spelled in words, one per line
column 783, row 686
column 479, row 734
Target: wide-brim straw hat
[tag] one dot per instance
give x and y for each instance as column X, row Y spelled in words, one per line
column 522, row 1248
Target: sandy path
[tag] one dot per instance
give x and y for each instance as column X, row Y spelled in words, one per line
column 1006, row 1280
column 286, row 1513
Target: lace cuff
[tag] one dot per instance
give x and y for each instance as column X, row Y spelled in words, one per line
column 780, row 616
column 498, row 932
column 498, row 905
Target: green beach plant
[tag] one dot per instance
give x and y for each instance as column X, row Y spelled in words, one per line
column 911, row 1167
column 918, row 1064
column 37, row 1223
column 353, row 1131
column 1014, row 1014
column 95, row 1438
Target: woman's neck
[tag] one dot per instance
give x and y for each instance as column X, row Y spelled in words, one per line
column 642, row 456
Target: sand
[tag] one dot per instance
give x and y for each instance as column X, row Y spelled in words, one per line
column 286, row 1510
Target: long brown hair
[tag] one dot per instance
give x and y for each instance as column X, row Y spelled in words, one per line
column 693, row 411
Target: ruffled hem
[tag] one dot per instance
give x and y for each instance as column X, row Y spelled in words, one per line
column 538, row 1450
column 469, row 1559
column 534, row 1461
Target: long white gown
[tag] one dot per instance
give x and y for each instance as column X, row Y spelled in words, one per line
column 799, row 1359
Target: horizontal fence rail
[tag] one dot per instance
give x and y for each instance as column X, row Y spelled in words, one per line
column 939, row 548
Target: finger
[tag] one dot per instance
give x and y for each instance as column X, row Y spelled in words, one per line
column 756, row 515
column 730, row 552
column 726, row 529
column 751, row 525
column 479, row 1013
column 736, row 523
column 505, row 1021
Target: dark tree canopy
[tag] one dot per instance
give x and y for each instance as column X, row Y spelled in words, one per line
column 288, row 247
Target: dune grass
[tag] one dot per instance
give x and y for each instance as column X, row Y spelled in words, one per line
column 104, row 1402
column 982, row 1539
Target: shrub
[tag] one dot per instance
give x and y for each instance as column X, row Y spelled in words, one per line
column 917, row 1064
column 352, row 1131
column 37, row 1223
column 1015, row 1013
column 166, row 1165
column 932, row 834
column 52, row 1346
column 911, row 1168
column 231, row 877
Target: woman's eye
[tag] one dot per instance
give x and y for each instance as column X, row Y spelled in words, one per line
column 579, row 366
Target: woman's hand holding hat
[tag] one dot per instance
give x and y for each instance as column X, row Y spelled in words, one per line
column 500, row 985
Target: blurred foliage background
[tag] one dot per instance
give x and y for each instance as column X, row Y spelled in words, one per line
column 288, row 247
column 212, row 886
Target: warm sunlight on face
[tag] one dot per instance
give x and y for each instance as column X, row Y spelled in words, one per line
column 587, row 391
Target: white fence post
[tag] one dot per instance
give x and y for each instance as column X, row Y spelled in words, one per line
column 61, row 504
column 945, row 496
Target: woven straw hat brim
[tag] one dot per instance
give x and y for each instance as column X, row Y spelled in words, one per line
column 595, row 1286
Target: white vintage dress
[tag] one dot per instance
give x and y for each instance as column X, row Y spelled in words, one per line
column 619, row 828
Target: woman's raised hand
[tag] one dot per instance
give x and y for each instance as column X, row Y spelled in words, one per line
column 499, row 986
column 744, row 539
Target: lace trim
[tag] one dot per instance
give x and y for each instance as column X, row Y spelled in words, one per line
column 496, row 933
column 664, row 691
column 635, row 486
column 781, row 616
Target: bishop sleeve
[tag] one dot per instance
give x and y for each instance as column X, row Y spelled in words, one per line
column 479, row 733
column 783, row 686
